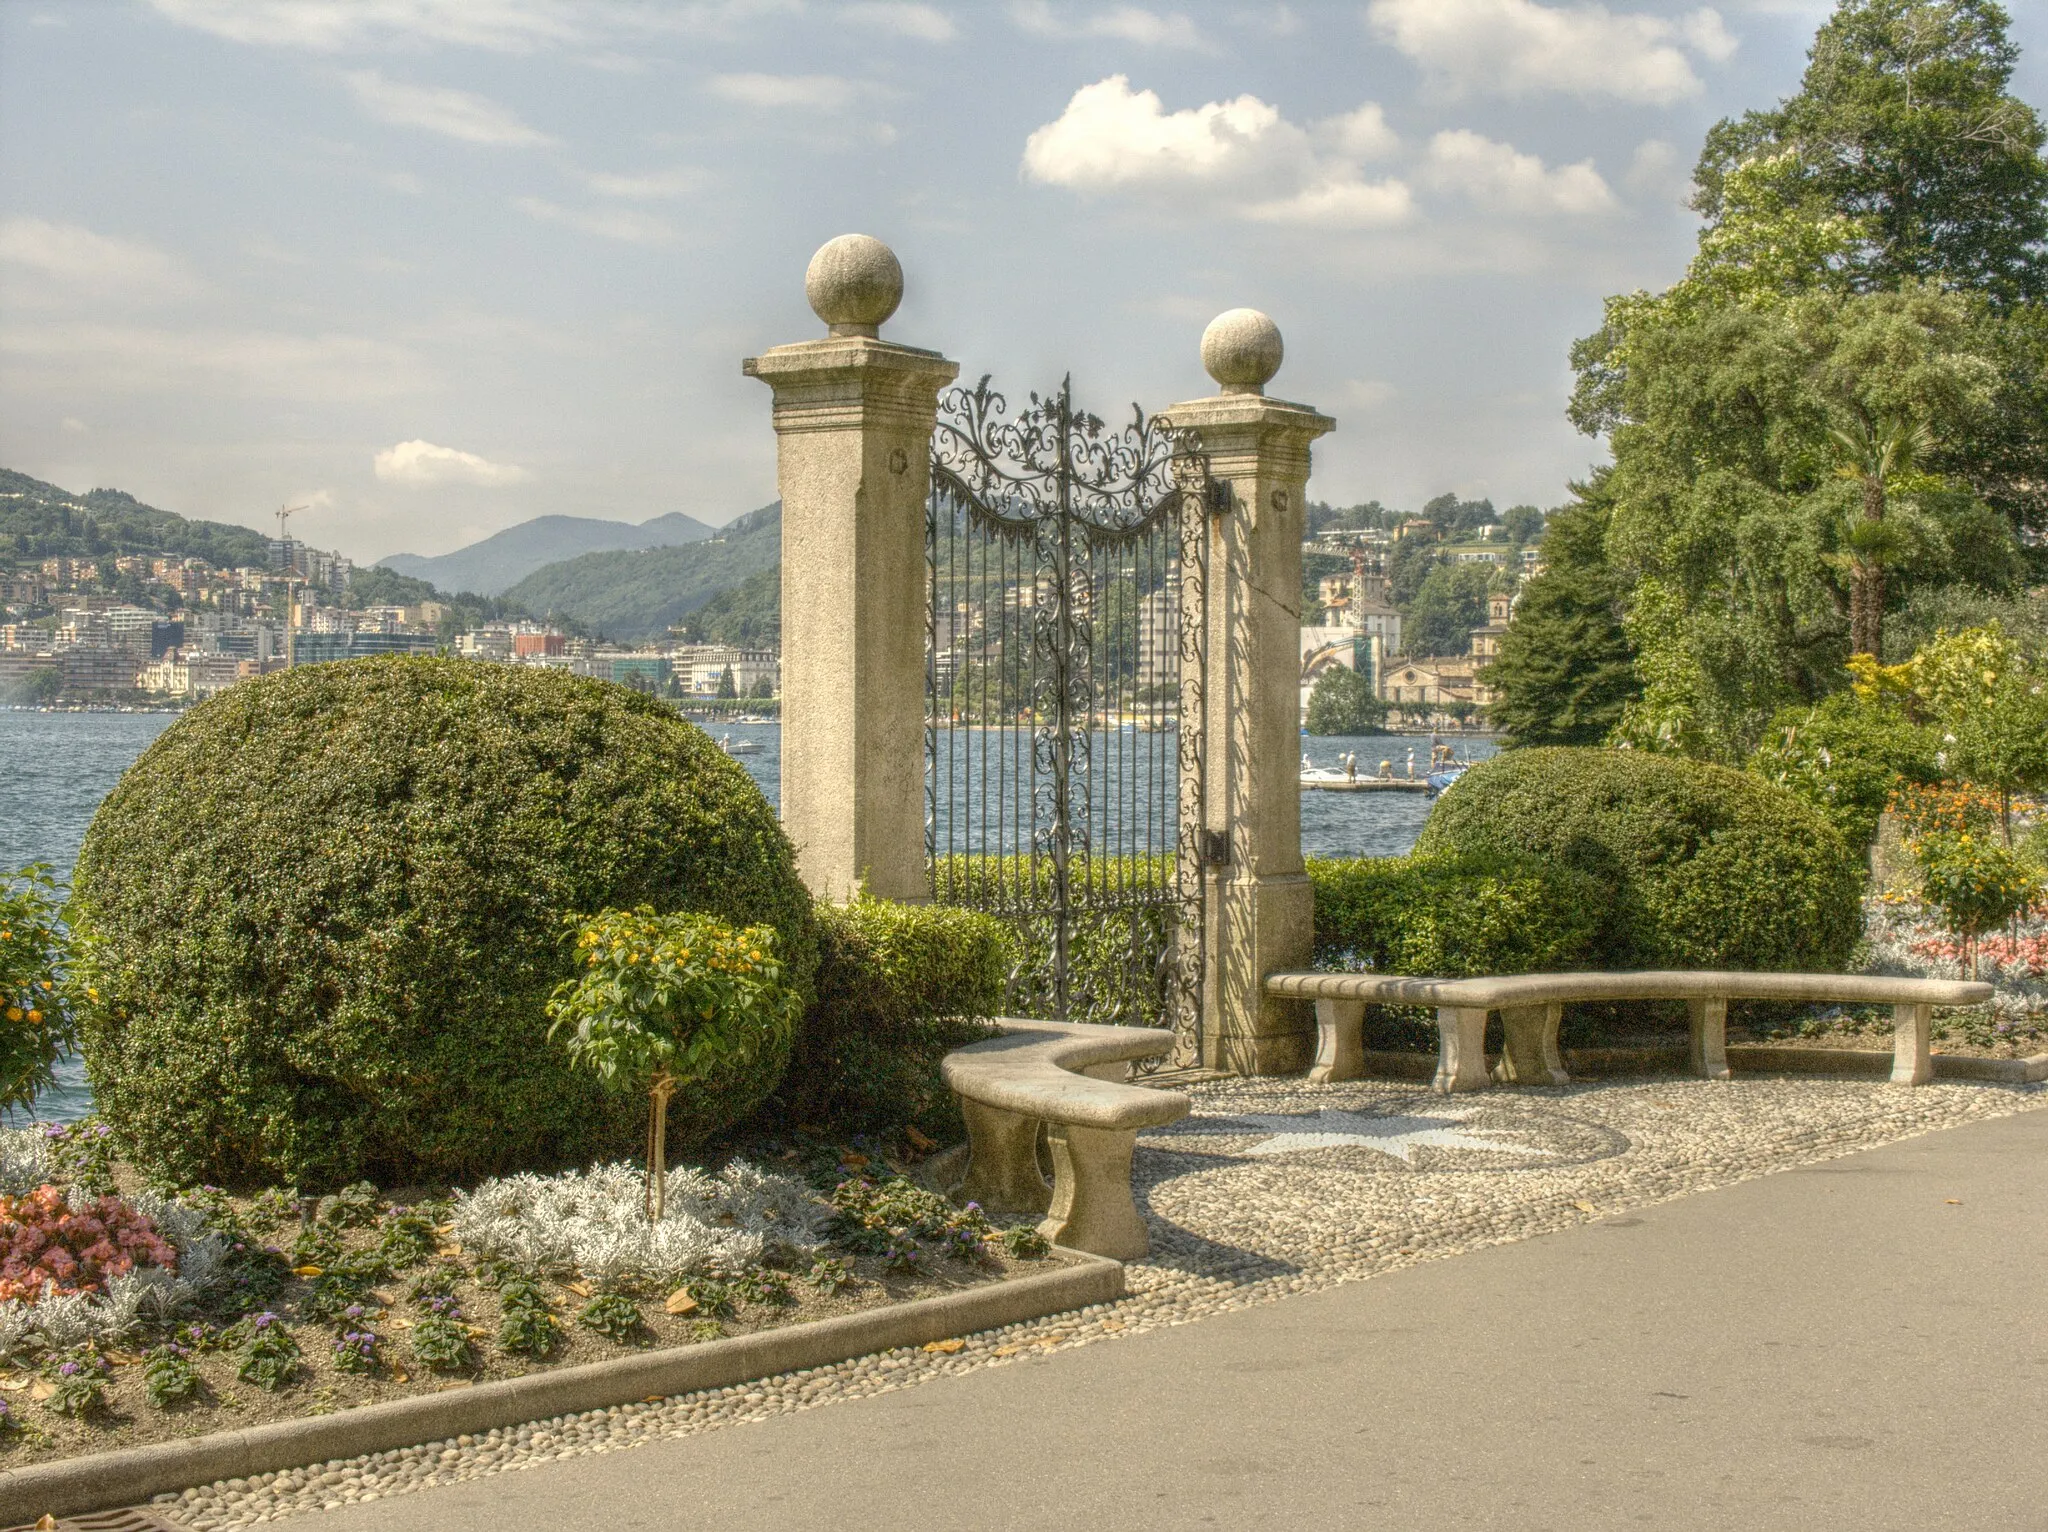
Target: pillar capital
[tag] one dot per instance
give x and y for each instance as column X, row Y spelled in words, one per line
column 851, row 382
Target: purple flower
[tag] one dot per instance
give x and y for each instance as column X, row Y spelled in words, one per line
column 265, row 1321
column 68, row 1370
column 353, row 1311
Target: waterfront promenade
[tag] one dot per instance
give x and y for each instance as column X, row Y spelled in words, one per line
column 1852, row 1343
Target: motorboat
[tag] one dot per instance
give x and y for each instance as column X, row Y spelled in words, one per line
column 733, row 746
column 1444, row 769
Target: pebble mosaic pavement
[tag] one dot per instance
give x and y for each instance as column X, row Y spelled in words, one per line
column 1270, row 1188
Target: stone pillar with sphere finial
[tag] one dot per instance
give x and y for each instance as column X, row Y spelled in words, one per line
column 1257, row 906
column 853, row 430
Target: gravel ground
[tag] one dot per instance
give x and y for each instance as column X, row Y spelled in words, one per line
column 1272, row 1187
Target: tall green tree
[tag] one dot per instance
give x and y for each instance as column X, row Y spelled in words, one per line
column 1449, row 605
column 1904, row 126
column 1565, row 671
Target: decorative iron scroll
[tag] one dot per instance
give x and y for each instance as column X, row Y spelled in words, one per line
column 1064, row 685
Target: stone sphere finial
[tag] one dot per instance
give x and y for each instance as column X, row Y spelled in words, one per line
column 1242, row 350
column 853, row 284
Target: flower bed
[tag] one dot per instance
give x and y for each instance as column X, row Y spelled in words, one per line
column 232, row 1311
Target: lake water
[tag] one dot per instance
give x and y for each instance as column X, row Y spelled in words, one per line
column 56, row 767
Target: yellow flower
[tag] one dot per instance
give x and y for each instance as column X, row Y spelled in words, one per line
column 14, row 1013
column 35, row 1016
column 91, row 993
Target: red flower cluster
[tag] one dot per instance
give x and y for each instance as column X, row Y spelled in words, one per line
column 43, row 1241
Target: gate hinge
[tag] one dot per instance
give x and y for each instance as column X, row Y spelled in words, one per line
column 1216, row 848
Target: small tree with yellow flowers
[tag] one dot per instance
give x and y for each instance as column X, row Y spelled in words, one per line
column 661, row 1000
column 35, row 1017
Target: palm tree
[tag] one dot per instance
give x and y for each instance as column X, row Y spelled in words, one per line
column 1874, row 451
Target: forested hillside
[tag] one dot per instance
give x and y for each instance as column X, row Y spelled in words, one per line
column 42, row 521
column 639, row 595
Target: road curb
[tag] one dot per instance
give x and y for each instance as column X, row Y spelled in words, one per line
column 131, row 1475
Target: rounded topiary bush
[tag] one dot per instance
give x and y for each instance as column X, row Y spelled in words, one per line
column 1698, row 866
column 324, row 912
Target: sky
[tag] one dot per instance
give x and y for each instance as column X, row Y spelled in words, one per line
column 431, row 267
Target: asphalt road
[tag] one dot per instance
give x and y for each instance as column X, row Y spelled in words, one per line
column 1857, row 1344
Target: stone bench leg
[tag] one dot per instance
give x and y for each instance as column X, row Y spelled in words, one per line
column 1912, row 1050
column 1461, row 1044
column 1002, row 1161
column 1092, row 1207
column 1529, row 1054
column 1340, row 1041
column 1709, row 1023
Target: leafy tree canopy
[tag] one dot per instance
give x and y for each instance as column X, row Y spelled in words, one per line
column 1902, row 147
column 1565, row 668
column 1342, row 702
column 1450, row 603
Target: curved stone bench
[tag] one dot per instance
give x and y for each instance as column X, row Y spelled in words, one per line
column 1531, row 1004
column 1069, row 1077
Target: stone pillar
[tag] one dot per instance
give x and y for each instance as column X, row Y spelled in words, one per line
column 853, row 429
column 1257, row 904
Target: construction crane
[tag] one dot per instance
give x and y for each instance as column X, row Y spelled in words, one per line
column 284, row 553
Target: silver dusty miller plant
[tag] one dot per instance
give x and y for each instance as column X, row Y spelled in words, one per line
column 596, row 1222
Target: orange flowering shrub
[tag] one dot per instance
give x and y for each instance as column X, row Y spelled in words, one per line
column 44, row 1242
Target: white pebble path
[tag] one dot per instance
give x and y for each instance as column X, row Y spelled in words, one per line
column 1231, row 1232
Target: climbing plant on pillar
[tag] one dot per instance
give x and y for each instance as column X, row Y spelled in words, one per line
column 660, row 1001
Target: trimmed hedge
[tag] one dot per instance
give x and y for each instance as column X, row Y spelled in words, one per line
column 899, row 986
column 324, row 912
column 1452, row 916
column 1697, row 866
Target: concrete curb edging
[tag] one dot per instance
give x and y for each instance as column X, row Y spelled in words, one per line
column 1757, row 1058
column 131, row 1475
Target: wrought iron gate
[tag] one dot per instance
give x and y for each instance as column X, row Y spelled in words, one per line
column 1064, row 680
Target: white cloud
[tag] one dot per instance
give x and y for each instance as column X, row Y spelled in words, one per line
column 420, row 462
column 72, row 425
column 1362, row 134
column 502, row 26
column 1518, row 47
column 1122, row 23
column 806, row 92
column 1340, row 203
column 649, row 185
column 452, row 113
column 1657, row 171
column 926, row 23
column 1258, row 164
column 629, row 225
column 1500, row 177
column 1110, row 135
column 75, row 261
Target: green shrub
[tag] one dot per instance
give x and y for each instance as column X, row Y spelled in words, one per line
column 1125, row 916
column 899, row 986
column 1846, row 757
column 1452, row 916
column 323, row 913
column 1697, row 866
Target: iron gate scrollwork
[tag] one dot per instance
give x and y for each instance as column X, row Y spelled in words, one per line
column 1064, row 684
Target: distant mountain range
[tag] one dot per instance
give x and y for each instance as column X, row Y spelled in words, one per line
column 41, row 521
column 631, row 595
column 502, row 560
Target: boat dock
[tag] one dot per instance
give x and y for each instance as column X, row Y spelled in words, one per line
column 1365, row 785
